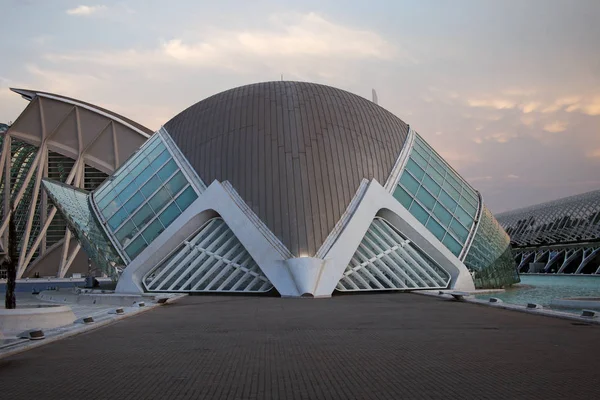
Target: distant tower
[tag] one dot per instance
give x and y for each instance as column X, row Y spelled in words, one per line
column 375, row 100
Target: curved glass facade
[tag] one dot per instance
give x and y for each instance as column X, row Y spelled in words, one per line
column 144, row 197
column 74, row 205
column 437, row 196
column 490, row 259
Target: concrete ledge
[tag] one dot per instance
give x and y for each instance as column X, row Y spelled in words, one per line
column 53, row 335
column 591, row 303
column 45, row 317
column 515, row 307
column 84, row 297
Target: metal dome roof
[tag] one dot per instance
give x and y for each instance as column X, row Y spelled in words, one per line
column 296, row 152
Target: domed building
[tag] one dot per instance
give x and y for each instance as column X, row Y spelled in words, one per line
column 292, row 188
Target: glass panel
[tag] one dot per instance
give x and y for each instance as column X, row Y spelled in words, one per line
column 134, row 202
column 409, row 183
column 418, row 159
column 447, row 201
column 159, row 200
column 452, row 245
column 442, row 214
column 143, row 215
column 176, row 183
column 150, row 186
column 425, row 198
column 435, row 175
column 167, row 170
column 136, row 247
column 415, row 169
column 435, row 228
column 467, row 206
column 419, row 212
column 430, row 184
column 116, row 219
column 451, row 190
column 152, row 231
column 127, row 231
column 128, row 191
column 186, row 198
column 461, row 232
column 160, row 160
column 169, row 214
column 402, row 196
column 463, row 217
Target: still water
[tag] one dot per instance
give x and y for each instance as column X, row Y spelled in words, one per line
column 542, row 289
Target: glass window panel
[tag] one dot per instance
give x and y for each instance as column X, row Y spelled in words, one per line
column 134, row 202
column 437, row 164
column 463, row 217
column 402, row 196
column 116, row 219
column 169, row 214
column 442, row 214
column 167, row 170
column 154, row 153
column 454, row 181
column 110, row 209
column 153, row 230
column 460, row 231
column 430, row 184
column 415, row 169
column 143, row 176
column 143, row 215
column 452, row 245
column 160, row 160
column 150, row 186
column 447, row 201
column 435, row 175
column 160, row 199
column 135, row 247
column 127, row 231
column 128, row 191
column 425, row 198
column 435, row 228
column 419, row 149
column 451, row 190
column 419, row 159
column 176, row 183
column 467, row 206
column 472, row 198
column 410, row 184
column 186, row 198
column 419, row 212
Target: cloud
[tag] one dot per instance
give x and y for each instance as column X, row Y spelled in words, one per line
column 556, row 126
column 512, row 176
column 501, row 137
column 529, row 107
column 589, row 106
column 85, row 10
column 479, row 179
column 297, row 40
column 478, row 140
column 498, row 104
column 594, row 153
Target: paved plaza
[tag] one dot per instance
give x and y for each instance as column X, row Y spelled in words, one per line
column 377, row 346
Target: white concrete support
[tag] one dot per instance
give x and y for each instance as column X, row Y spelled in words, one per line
column 293, row 277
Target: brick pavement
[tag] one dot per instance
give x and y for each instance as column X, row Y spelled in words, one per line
column 385, row 346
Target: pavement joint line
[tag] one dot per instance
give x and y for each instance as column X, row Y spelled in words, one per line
column 516, row 307
column 26, row 344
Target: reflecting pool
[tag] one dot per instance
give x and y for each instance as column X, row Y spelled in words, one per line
column 542, row 289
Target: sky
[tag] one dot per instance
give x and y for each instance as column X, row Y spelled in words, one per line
column 508, row 92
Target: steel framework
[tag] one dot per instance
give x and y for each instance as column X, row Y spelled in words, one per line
column 561, row 236
column 68, row 141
